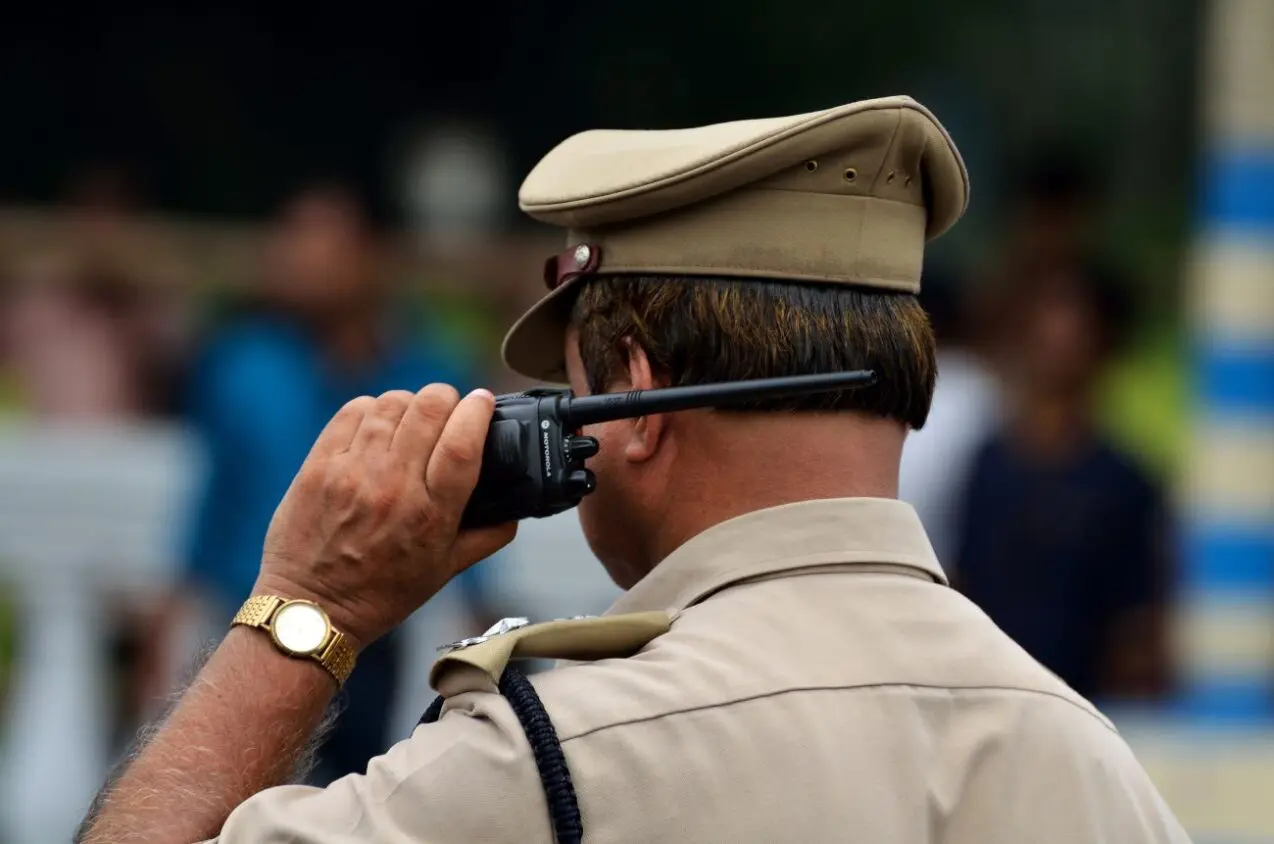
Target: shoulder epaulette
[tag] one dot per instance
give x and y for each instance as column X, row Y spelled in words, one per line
column 583, row 639
column 579, row 639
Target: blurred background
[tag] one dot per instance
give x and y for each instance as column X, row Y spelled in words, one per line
column 217, row 225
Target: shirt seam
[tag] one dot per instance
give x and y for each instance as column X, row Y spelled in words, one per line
column 810, row 563
column 865, row 687
column 821, row 570
column 705, row 588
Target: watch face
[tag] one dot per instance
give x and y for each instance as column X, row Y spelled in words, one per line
column 300, row 627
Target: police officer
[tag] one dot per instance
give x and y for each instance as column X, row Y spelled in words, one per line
column 788, row 662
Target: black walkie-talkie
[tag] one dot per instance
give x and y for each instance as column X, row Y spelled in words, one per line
column 533, row 461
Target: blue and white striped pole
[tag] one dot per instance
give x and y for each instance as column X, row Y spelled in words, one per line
column 1227, row 621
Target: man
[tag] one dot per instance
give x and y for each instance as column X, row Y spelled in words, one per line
column 1063, row 538
column 794, row 667
column 321, row 330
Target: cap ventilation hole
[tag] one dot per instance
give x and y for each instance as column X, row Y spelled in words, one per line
column 811, row 165
column 851, row 174
column 889, row 180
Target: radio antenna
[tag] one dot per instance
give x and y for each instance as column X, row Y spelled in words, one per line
column 589, row 410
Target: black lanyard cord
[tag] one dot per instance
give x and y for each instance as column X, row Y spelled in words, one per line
column 550, row 761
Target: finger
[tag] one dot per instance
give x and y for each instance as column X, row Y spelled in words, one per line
column 422, row 425
column 453, row 467
column 379, row 423
column 340, row 429
column 475, row 545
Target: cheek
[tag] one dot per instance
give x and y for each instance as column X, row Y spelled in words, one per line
column 598, row 508
column 598, row 517
column 603, row 517
column 591, row 523
column 606, row 462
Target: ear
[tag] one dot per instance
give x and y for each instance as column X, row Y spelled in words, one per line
column 646, row 431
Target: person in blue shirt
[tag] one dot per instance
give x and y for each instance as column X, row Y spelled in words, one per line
column 1064, row 537
column 321, row 331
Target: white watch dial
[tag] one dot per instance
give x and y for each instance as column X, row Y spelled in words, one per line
column 300, row 627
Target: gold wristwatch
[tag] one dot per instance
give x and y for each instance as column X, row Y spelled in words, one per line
column 300, row 629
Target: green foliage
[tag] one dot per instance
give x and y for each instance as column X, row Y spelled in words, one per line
column 1144, row 402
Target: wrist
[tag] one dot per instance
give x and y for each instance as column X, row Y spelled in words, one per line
column 300, row 629
column 304, row 678
column 354, row 636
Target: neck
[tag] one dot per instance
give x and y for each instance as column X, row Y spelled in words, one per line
column 740, row 464
column 1052, row 425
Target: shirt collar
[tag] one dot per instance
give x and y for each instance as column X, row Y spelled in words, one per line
column 804, row 535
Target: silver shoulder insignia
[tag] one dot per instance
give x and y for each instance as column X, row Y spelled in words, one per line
column 501, row 627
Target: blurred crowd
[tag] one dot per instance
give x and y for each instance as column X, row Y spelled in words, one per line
column 1057, row 532
column 1038, row 513
column 96, row 331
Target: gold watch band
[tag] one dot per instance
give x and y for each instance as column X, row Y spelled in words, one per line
column 335, row 654
column 256, row 611
column 338, row 657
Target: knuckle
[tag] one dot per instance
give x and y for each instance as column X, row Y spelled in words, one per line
column 459, row 451
column 310, row 479
column 436, row 402
column 379, row 423
column 361, row 404
column 441, row 394
column 394, row 399
column 341, row 485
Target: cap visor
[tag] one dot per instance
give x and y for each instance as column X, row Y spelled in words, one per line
column 536, row 344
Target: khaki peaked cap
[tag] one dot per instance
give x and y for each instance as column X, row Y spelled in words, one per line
column 848, row 195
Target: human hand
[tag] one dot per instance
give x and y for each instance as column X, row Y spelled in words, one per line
column 369, row 529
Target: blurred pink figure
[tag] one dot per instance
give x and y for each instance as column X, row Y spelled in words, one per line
column 66, row 346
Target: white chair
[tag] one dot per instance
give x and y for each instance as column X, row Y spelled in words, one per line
column 85, row 512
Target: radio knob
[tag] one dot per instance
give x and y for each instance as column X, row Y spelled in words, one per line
column 580, row 448
column 579, row 482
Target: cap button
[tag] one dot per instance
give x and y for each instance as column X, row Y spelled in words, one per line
column 582, row 254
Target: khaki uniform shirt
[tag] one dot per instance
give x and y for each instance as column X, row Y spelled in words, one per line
column 820, row 682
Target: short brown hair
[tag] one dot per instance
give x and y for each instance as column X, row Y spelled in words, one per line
column 701, row 330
